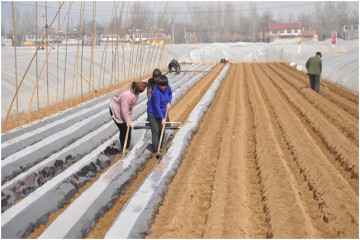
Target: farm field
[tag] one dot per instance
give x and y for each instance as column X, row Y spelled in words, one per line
column 269, row 159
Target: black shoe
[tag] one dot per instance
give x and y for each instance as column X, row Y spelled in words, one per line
column 151, row 148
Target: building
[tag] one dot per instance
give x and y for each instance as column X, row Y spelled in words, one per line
column 308, row 34
column 284, row 30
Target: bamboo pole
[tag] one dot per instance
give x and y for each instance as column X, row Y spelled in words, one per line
column 104, row 72
column 36, row 65
column 123, row 48
column 66, row 48
column 82, row 21
column 118, row 31
column 22, row 80
column 47, row 63
column 43, row 66
column 82, row 56
column 16, row 76
column 74, row 83
column 103, row 61
column 93, row 39
column 57, row 60
column 113, row 55
column 76, row 65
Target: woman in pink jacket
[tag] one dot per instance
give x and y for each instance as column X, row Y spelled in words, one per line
column 121, row 106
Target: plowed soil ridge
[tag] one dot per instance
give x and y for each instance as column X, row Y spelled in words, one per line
column 334, row 88
column 280, row 187
column 339, row 117
column 337, row 95
column 321, row 140
column 346, row 151
column 269, row 160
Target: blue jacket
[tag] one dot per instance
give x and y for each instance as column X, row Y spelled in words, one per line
column 158, row 101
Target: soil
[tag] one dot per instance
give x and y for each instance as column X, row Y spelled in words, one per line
column 271, row 159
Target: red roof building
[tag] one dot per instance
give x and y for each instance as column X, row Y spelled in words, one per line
column 279, row 30
column 308, row 33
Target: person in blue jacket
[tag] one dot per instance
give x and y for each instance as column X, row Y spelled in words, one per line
column 160, row 100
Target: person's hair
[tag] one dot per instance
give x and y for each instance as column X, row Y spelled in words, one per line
column 163, row 80
column 138, row 87
column 156, row 73
column 319, row 54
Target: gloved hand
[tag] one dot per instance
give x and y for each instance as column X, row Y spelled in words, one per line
column 130, row 124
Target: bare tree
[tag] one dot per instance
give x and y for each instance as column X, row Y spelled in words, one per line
column 305, row 20
column 254, row 16
column 3, row 27
column 290, row 18
column 240, row 23
column 341, row 15
column 265, row 19
column 330, row 16
column 229, row 19
column 219, row 18
column 354, row 19
column 140, row 16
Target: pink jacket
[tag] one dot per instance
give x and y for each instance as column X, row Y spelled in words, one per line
column 121, row 105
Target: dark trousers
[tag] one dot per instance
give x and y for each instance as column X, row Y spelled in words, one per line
column 315, row 82
column 122, row 128
column 156, row 126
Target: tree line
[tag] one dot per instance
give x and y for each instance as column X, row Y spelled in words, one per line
column 206, row 21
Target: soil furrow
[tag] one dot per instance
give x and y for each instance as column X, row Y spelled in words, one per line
column 259, row 212
column 346, row 122
column 231, row 174
column 341, row 100
column 335, row 89
column 193, row 181
column 268, row 149
column 224, row 212
column 353, row 182
column 344, row 150
column 310, row 204
column 336, row 199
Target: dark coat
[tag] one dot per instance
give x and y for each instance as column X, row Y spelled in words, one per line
column 314, row 66
column 150, row 87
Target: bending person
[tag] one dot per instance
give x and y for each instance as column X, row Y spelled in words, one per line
column 160, row 101
column 121, row 106
column 174, row 64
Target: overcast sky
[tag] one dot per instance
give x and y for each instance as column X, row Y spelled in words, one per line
column 181, row 8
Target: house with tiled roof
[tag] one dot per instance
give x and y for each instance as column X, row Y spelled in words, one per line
column 284, row 30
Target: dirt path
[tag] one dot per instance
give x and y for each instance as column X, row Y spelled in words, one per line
column 269, row 160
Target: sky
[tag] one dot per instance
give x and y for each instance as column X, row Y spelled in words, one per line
column 181, row 8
